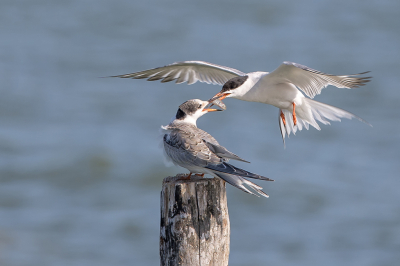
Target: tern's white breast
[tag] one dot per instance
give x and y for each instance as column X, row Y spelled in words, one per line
column 279, row 94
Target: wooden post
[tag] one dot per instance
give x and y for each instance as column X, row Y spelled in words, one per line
column 194, row 222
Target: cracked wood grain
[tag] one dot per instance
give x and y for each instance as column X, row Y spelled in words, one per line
column 194, row 228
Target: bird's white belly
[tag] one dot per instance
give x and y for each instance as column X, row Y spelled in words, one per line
column 280, row 95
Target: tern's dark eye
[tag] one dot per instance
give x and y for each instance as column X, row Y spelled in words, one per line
column 199, row 106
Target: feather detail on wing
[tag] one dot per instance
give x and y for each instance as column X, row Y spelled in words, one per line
column 187, row 146
column 188, row 71
column 186, row 149
column 312, row 81
column 227, row 168
column 222, row 152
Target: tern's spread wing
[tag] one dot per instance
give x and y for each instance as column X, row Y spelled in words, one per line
column 312, row 81
column 188, row 71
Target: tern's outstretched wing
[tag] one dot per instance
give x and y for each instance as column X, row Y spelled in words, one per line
column 312, row 81
column 188, row 71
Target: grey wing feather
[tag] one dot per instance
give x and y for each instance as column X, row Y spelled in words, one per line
column 204, row 135
column 232, row 170
column 185, row 148
column 188, row 71
column 214, row 146
column 312, row 81
column 223, row 152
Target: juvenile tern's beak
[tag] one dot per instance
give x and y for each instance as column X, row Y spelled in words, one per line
column 211, row 110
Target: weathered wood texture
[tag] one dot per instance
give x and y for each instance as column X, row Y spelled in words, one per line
column 195, row 226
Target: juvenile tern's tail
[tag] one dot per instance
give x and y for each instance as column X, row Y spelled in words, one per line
column 239, row 182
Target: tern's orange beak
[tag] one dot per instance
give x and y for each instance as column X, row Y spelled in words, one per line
column 211, row 110
column 217, row 100
column 220, row 96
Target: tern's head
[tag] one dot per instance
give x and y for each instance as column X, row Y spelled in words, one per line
column 232, row 88
column 191, row 110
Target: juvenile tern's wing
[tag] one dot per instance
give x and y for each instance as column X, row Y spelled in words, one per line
column 188, row 71
column 205, row 136
column 213, row 145
column 312, row 81
column 227, row 168
column 188, row 149
column 223, row 152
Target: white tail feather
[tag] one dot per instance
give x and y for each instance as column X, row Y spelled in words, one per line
column 309, row 113
column 239, row 182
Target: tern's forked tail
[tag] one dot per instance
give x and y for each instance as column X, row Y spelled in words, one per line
column 311, row 112
column 239, row 182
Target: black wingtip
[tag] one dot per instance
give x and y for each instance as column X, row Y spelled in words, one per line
column 242, row 160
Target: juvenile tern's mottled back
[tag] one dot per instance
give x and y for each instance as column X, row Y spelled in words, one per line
column 196, row 150
column 280, row 88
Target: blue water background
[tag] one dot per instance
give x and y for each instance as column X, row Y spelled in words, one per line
column 80, row 164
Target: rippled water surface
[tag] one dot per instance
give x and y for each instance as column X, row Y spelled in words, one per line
column 80, row 164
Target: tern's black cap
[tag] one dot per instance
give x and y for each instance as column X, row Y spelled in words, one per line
column 188, row 108
column 233, row 83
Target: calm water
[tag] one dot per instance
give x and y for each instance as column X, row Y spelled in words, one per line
column 80, row 165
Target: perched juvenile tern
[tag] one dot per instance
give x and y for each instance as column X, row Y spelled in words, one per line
column 279, row 88
column 196, row 150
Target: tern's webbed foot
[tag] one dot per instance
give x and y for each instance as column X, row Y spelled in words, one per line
column 187, row 177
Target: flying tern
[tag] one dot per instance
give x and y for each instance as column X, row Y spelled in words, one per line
column 280, row 88
column 196, row 150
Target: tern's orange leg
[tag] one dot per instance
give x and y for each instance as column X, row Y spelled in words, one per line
column 294, row 114
column 202, row 175
column 283, row 118
column 186, row 177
